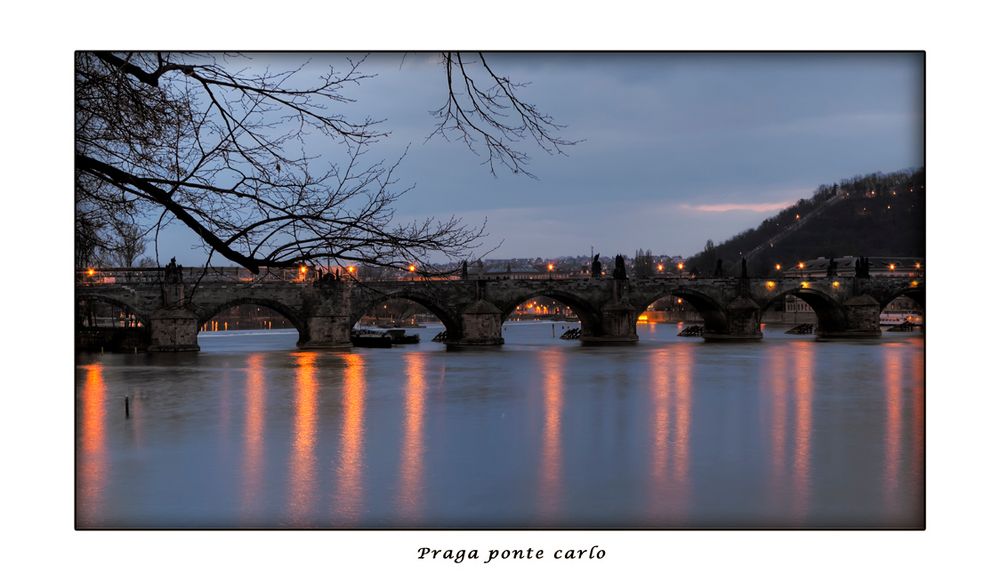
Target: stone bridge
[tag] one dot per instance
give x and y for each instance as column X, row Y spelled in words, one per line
column 474, row 310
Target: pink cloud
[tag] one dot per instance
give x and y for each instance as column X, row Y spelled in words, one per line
column 759, row 207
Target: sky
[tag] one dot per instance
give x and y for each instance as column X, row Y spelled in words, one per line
column 675, row 148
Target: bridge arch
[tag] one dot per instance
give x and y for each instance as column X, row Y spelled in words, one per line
column 830, row 316
column 917, row 294
column 590, row 318
column 712, row 312
column 206, row 313
column 448, row 318
column 100, row 298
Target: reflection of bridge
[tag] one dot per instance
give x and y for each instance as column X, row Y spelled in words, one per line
column 473, row 310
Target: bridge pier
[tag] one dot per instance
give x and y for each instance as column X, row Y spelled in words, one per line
column 327, row 332
column 617, row 326
column 327, row 320
column 742, row 322
column 481, row 326
column 173, row 329
column 861, row 320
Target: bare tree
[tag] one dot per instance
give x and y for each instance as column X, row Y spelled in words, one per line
column 490, row 116
column 223, row 147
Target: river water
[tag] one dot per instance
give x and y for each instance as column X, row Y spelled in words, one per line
column 541, row 433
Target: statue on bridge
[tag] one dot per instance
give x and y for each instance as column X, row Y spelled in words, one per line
column 326, row 280
column 595, row 266
column 619, row 273
column 465, row 269
column 172, row 273
column 743, row 268
column 718, row 269
column 831, row 268
column 861, row 268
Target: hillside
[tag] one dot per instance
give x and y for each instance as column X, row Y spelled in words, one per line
column 873, row 215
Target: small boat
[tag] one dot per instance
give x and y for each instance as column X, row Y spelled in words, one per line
column 692, row 331
column 803, row 329
column 573, row 333
column 399, row 337
column 371, row 339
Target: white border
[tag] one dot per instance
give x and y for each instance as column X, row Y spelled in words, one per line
column 38, row 408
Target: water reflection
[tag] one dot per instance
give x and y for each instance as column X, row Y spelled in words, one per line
column 92, row 460
column 802, row 355
column 660, row 385
column 349, row 496
column 775, row 374
column 253, row 434
column 917, row 439
column 411, row 463
column 303, row 461
column 550, row 488
column 683, row 365
column 893, row 366
column 671, row 429
column 225, row 412
column 653, row 451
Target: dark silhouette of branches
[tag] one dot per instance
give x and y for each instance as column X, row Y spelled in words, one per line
column 223, row 146
column 489, row 117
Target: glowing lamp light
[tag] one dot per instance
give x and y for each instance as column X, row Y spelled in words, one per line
column 892, row 266
column 914, row 283
column 797, row 216
column 303, row 269
column 413, row 268
column 680, row 266
column 551, row 267
column 679, row 301
column 777, row 267
column 836, row 284
column 917, row 266
column 805, row 285
column 90, row 271
column 770, row 285
column 801, row 265
column 352, row 269
column 659, row 267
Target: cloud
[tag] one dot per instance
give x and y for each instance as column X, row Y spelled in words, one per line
column 761, row 207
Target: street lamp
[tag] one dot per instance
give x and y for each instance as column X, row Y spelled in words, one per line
column 680, row 266
column 659, row 267
column 777, row 266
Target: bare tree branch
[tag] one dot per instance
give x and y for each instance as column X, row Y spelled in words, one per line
column 220, row 144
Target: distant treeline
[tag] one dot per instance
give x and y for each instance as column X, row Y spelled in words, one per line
column 877, row 215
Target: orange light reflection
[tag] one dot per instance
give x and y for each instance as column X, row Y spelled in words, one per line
column 411, row 463
column 550, row 490
column 893, row 421
column 303, row 459
column 349, row 493
column 92, row 461
column 803, row 358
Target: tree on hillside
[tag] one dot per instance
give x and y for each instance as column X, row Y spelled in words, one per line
column 642, row 266
column 224, row 146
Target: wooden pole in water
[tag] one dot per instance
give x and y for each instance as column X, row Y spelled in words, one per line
column 126, row 406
